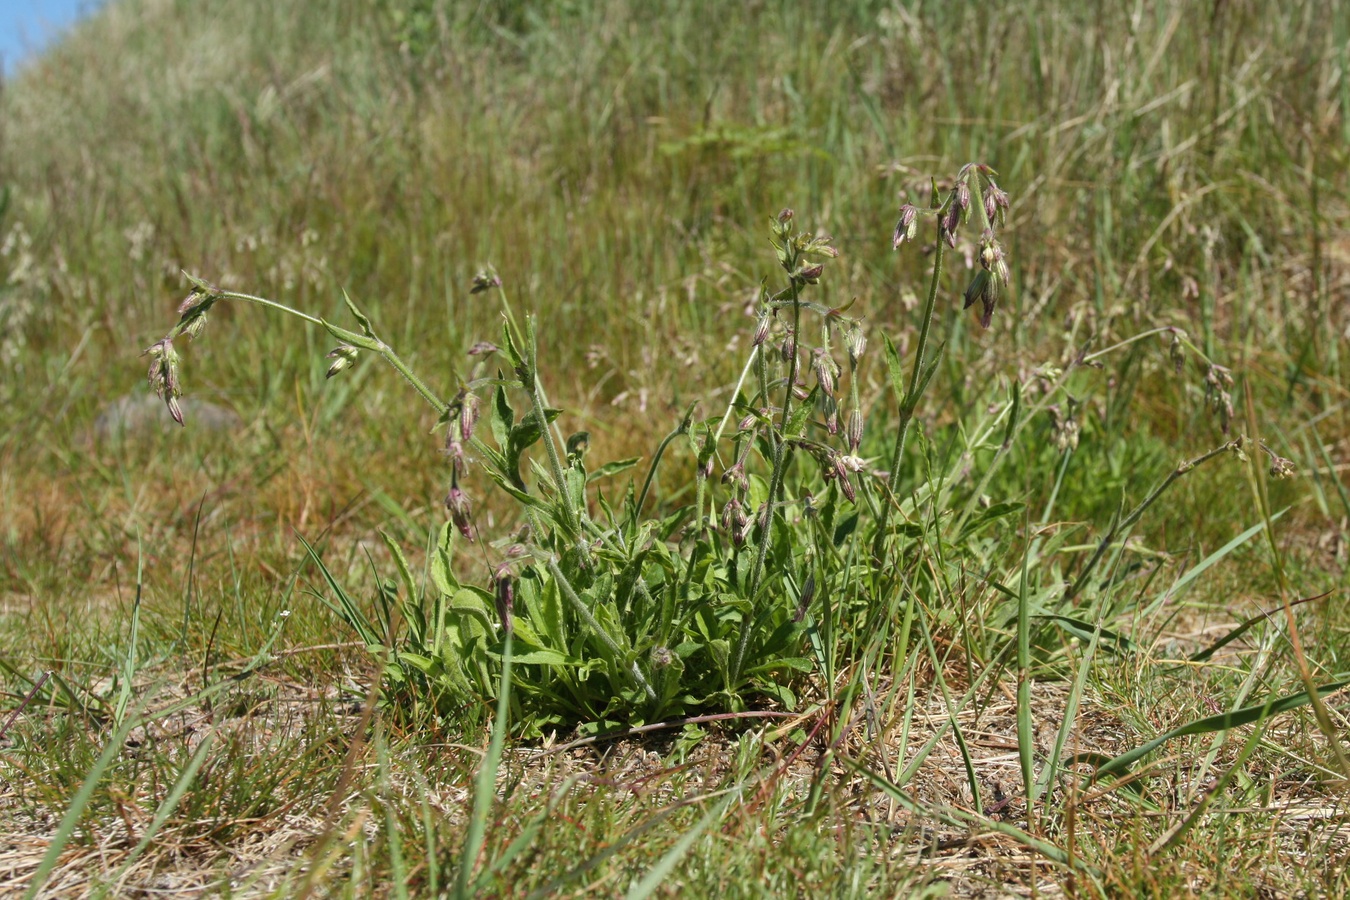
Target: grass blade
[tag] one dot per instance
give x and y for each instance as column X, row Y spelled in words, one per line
column 486, row 790
column 656, row 875
column 165, row 810
column 1221, row 722
column 71, row 819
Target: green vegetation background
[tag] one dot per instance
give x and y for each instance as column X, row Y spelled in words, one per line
column 1171, row 163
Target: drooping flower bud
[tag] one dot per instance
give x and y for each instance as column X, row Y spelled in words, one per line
column 461, row 511
column 855, row 341
column 1218, row 382
column 192, row 312
column 1177, row 350
column 506, row 602
column 468, row 416
column 761, row 330
column 163, row 376
column 855, row 430
column 906, row 226
column 736, row 477
column 809, row 274
column 485, row 280
column 825, row 368
column 1064, row 428
column 343, row 357
column 983, row 287
column 1282, row 468
column 995, row 203
column 841, row 473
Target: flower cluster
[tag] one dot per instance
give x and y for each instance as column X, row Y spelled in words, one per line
column 802, row 256
column 975, row 190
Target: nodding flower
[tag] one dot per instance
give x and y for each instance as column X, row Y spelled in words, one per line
column 506, row 602
column 838, row 469
column 163, row 376
column 906, row 227
column 736, row 477
column 856, row 343
column 342, row 356
column 461, row 511
column 825, row 368
column 192, row 312
column 485, row 280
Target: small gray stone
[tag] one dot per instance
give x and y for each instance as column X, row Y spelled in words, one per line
column 136, row 414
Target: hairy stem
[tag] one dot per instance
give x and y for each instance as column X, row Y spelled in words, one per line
column 911, row 400
column 780, row 462
column 1109, row 538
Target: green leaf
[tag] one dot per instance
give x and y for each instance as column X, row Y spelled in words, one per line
column 926, row 376
column 346, row 607
column 845, row 528
column 442, row 572
column 1085, row 630
column 359, row 316
column 512, row 351
column 993, row 513
column 551, row 616
column 1205, row 654
column 802, row 414
column 524, row 497
column 547, row 658
column 1221, row 722
column 613, row 468
column 502, row 418
column 796, row 663
column 401, row 561
column 1014, row 413
column 893, row 369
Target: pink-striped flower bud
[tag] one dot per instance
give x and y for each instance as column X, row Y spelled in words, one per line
column 163, row 376
column 468, row 416
column 761, row 330
column 506, row 602
column 855, row 341
column 855, row 430
column 461, row 511
column 906, row 226
column 824, row 368
column 841, row 474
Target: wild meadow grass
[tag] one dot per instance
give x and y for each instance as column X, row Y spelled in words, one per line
column 592, row 523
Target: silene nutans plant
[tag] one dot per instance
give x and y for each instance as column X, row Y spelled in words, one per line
column 794, row 565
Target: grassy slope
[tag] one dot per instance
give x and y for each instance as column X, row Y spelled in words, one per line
column 1170, row 165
